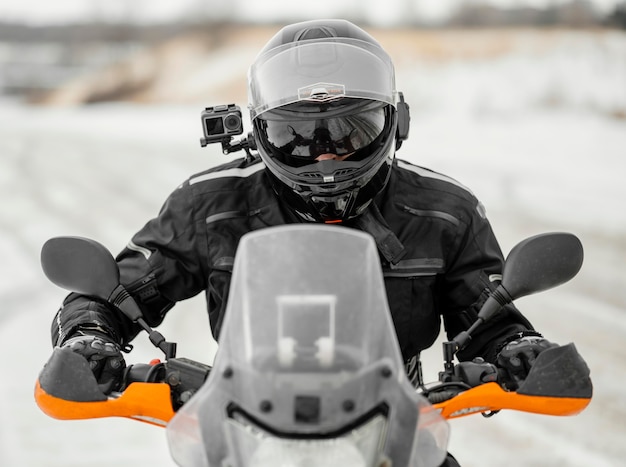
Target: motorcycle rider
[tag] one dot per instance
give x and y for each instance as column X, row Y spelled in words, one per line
column 327, row 121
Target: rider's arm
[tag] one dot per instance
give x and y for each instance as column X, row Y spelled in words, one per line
column 160, row 266
column 475, row 269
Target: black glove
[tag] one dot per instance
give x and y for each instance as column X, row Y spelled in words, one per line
column 104, row 357
column 518, row 355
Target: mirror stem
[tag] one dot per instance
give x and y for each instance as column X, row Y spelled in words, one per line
column 168, row 348
column 124, row 302
column 499, row 298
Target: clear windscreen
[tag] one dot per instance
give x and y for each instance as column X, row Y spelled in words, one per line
column 319, row 70
column 311, row 301
column 307, row 328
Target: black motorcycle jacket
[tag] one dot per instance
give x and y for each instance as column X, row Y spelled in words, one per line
column 450, row 257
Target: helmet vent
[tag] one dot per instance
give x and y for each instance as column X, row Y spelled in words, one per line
column 341, row 173
column 311, row 175
column 338, row 173
column 318, row 32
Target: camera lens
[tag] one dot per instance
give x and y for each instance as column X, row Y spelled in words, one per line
column 232, row 122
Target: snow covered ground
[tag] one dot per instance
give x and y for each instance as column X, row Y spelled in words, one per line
column 536, row 136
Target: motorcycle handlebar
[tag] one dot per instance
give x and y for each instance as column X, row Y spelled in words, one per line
column 557, row 384
column 143, row 373
column 184, row 376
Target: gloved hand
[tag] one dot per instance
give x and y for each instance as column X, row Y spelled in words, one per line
column 104, row 357
column 517, row 356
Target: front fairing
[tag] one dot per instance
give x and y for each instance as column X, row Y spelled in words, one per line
column 308, row 363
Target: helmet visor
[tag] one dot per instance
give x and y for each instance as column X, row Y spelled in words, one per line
column 320, row 70
column 299, row 134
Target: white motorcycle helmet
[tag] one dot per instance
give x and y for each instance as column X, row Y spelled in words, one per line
column 327, row 118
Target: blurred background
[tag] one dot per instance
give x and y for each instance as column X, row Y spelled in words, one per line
column 523, row 101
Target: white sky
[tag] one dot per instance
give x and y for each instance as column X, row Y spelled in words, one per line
column 37, row 11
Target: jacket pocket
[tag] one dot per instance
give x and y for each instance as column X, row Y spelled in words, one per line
column 418, row 267
column 411, row 293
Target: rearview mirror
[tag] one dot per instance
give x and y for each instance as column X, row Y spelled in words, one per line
column 533, row 265
column 541, row 262
column 80, row 265
column 85, row 266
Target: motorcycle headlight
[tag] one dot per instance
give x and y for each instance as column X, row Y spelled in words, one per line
column 252, row 447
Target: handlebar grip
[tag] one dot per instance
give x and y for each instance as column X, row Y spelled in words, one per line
column 477, row 372
column 144, row 373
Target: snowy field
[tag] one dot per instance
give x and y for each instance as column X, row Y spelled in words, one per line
column 539, row 138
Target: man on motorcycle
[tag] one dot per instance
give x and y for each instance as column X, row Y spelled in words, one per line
column 327, row 123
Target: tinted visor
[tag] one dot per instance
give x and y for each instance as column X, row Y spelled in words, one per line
column 298, row 134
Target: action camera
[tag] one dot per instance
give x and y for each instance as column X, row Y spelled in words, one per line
column 220, row 123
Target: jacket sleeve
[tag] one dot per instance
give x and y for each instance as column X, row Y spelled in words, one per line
column 474, row 271
column 162, row 264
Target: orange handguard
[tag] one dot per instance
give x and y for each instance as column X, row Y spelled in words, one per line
column 147, row 402
column 490, row 397
column 82, row 399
